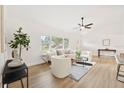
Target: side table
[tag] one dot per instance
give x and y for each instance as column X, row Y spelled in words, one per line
column 45, row 58
column 10, row 75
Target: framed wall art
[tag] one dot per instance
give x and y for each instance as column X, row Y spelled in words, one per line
column 106, row 42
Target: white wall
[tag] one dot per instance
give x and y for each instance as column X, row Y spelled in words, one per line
column 33, row 25
column 61, row 21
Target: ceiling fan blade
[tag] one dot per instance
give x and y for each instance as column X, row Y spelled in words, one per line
column 79, row 24
column 89, row 24
column 87, row 27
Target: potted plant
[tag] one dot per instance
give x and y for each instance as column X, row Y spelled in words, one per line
column 78, row 54
column 21, row 40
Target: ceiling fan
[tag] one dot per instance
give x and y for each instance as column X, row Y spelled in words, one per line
column 82, row 26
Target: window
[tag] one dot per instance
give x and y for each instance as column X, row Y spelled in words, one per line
column 66, row 43
column 56, row 43
column 53, row 42
column 45, row 40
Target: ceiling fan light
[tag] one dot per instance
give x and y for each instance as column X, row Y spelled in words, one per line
column 82, row 28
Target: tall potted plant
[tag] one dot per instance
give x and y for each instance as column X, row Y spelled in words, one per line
column 21, row 40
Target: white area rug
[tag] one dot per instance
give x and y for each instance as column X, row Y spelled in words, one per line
column 79, row 70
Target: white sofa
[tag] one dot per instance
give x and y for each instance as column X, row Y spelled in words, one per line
column 69, row 53
column 66, row 52
column 61, row 66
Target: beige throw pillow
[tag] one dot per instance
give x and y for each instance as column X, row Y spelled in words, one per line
column 59, row 52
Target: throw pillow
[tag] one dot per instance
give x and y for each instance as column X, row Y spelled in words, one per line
column 68, row 51
column 59, row 52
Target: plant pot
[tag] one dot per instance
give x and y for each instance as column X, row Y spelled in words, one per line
column 15, row 53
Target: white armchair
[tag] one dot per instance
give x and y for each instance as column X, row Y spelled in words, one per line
column 61, row 66
column 120, row 62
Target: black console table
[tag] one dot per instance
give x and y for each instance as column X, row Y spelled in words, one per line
column 10, row 75
column 99, row 50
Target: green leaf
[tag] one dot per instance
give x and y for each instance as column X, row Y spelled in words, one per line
column 20, row 38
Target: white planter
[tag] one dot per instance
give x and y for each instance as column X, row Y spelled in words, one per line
column 15, row 53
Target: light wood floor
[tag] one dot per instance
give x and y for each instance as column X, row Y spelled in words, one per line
column 102, row 75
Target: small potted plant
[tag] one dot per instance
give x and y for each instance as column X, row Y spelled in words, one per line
column 21, row 40
column 78, row 54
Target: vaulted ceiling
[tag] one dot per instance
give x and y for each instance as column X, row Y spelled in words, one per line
column 107, row 19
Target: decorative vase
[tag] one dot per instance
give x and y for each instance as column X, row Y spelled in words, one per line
column 15, row 54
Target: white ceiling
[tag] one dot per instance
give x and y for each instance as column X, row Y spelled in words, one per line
column 67, row 17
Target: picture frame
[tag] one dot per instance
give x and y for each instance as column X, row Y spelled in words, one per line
column 106, row 42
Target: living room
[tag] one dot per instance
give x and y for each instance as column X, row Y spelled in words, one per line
column 106, row 32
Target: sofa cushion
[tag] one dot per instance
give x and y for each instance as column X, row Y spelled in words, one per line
column 60, row 51
column 68, row 51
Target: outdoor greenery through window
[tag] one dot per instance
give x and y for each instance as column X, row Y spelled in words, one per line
column 54, row 42
column 45, row 40
column 66, row 43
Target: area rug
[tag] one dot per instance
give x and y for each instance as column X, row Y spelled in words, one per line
column 79, row 70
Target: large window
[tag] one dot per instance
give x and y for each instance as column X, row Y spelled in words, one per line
column 56, row 43
column 45, row 40
column 53, row 42
column 66, row 43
